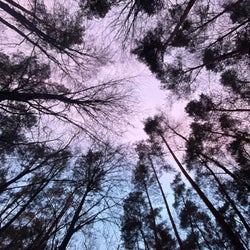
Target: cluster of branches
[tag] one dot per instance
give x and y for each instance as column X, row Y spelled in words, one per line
column 28, row 86
column 212, row 201
column 204, row 38
column 58, row 82
column 48, row 191
column 55, row 32
column 49, row 194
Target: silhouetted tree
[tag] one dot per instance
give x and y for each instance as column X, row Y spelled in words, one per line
column 27, row 86
column 153, row 127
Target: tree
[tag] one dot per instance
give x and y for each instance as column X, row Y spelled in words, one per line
column 96, row 8
column 153, row 128
column 198, row 158
column 132, row 226
column 238, row 85
column 145, row 153
column 60, row 30
column 145, row 177
column 30, row 83
column 17, row 210
column 59, row 195
column 27, row 169
column 190, row 34
column 200, row 109
column 54, row 187
column 220, row 128
column 194, row 219
column 141, row 222
column 142, row 181
column 49, row 191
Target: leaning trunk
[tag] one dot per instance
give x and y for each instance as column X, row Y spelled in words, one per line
column 225, row 227
column 167, row 207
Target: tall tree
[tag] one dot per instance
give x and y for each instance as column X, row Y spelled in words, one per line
column 194, row 219
column 153, row 128
column 64, row 195
column 190, row 33
column 142, row 222
column 145, row 152
column 27, row 83
column 144, row 180
column 59, row 30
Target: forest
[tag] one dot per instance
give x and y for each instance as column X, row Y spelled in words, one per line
column 69, row 180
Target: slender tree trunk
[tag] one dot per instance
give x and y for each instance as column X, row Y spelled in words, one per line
column 144, row 240
column 26, row 37
column 242, row 136
column 218, row 15
column 167, row 207
column 197, row 226
column 5, row 185
column 193, row 223
column 193, row 232
column 157, row 243
column 8, row 207
column 230, row 110
column 29, row 170
column 24, row 207
column 20, row 7
column 225, row 227
column 178, row 25
column 203, row 236
column 220, row 58
column 214, row 161
column 65, row 98
column 29, row 25
column 71, row 229
column 231, row 202
column 46, row 236
column 218, row 164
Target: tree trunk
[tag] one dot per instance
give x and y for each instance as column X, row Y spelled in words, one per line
column 71, row 229
column 214, row 161
column 47, row 235
column 29, row 170
column 230, row 110
column 231, row 202
column 29, row 25
column 178, row 25
column 157, row 243
column 225, row 227
column 220, row 58
column 144, row 240
column 167, row 207
column 218, row 164
column 62, row 98
column 24, row 207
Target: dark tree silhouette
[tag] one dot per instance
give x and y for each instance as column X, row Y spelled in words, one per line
column 27, row 86
column 153, row 128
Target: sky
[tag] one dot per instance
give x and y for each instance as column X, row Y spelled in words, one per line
column 149, row 96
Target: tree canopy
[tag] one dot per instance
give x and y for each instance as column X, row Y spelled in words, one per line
column 66, row 179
